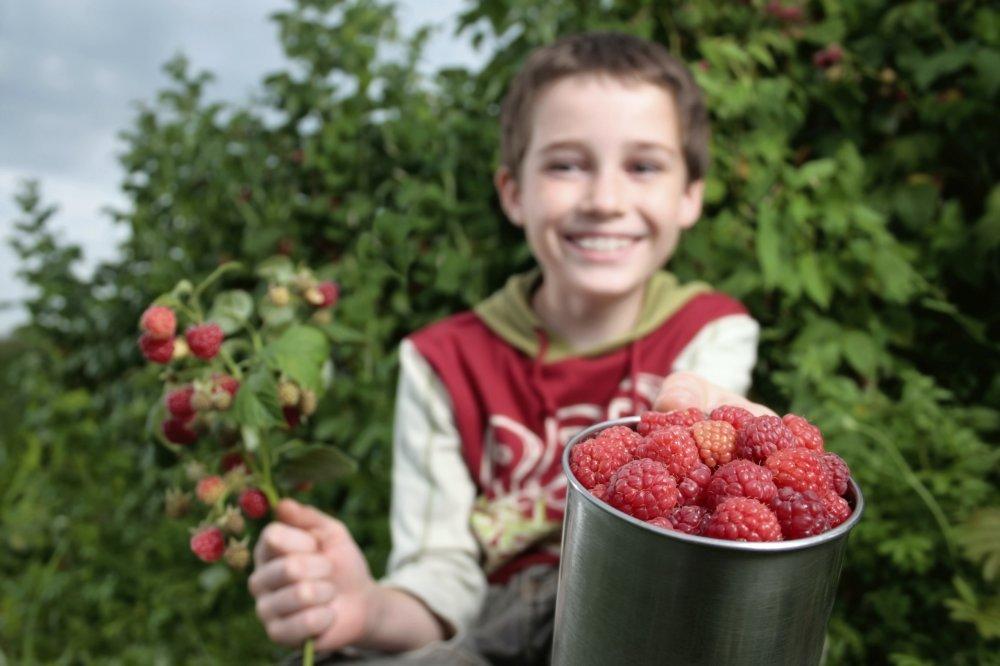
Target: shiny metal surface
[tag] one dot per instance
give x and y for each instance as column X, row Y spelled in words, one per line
column 631, row 593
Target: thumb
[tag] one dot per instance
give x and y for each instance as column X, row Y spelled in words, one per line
column 325, row 528
column 681, row 390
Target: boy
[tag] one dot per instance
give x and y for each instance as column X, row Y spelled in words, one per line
column 604, row 151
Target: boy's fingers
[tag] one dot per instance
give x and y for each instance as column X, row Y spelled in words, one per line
column 303, row 516
column 294, row 629
column 288, row 570
column 680, row 391
column 294, row 598
column 279, row 539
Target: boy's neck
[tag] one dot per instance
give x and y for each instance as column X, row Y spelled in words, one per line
column 586, row 323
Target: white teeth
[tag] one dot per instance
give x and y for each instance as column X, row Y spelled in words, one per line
column 602, row 243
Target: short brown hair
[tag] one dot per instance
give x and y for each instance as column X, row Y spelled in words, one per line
column 615, row 54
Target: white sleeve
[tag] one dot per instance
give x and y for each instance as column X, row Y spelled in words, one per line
column 435, row 555
column 723, row 352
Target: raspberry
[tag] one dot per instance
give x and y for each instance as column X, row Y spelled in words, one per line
column 837, row 508
column 595, row 460
column 279, row 296
column 599, row 491
column 740, row 478
column 179, row 431
column 743, row 519
column 330, row 292
column 288, row 394
column 292, row 416
column 692, row 486
column 673, row 446
column 688, row 519
column 716, row 441
column 231, row 461
column 158, row 322
column 157, row 351
column 650, row 421
column 807, row 435
column 231, row 521
column 204, row 340
column 799, row 469
column 178, row 402
column 237, row 555
column 800, row 514
column 210, row 489
column 643, row 488
column 226, row 383
column 308, row 403
column 208, row 544
column 661, row 521
column 733, row 415
column 762, row 436
column 839, row 471
column 254, row 503
column 624, row 435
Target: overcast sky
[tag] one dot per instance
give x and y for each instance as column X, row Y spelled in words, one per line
column 71, row 69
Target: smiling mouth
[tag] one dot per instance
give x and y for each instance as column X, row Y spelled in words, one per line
column 602, row 243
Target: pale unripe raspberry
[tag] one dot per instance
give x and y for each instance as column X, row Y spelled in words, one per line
column 201, row 400
column 314, row 296
column 308, row 402
column 211, row 489
column 181, row 349
column 279, row 296
column 177, row 503
column 194, row 470
column 237, row 555
column 221, row 400
column 288, row 394
column 232, row 521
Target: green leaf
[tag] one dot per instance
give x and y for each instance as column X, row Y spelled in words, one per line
column 300, row 353
column 275, row 316
column 231, row 310
column 769, row 247
column 277, row 269
column 315, row 462
column 815, row 285
column 256, row 405
column 861, row 353
column 342, row 334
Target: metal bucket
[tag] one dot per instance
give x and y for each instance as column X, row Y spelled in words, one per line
column 631, row 593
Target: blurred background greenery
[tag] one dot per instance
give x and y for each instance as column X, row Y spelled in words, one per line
column 852, row 204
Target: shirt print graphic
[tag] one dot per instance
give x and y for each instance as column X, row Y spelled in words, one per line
column 523, row 486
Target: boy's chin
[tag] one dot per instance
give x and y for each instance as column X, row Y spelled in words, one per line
column 609, row 286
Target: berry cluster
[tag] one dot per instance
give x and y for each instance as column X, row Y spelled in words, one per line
column 726, row 475
column 204, row 417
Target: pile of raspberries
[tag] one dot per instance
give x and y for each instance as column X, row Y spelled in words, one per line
column 728, row 475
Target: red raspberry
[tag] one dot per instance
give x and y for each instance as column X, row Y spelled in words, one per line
column 837, row 508
column 157, row 351
column 254, row 503
column 762, row 436
column 158, row 322
column 226, row 383
column 806, row 433
column 624, row 435
column 692, row 486
column 179, row 402
column 688, row 519
column 210, row 489
column 208, row 544
column 799, row 469
column 740, row 478
column 331, row 294
column 599, row 491
column 643, row 488
column 673, row 446
column 800, row 514
column 650, row 421
column 839, row 471
column 733, row 415
column 231, row 461
column 204, row 340
column 179, row 431
column 828, row 57
column 595, row 460
column 661, row 521
column 716, row 441
column 743, row 519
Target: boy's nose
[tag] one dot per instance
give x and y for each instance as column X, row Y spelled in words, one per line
column 605, row 195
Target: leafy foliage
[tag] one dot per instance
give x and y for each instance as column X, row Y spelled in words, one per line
column 852, row 205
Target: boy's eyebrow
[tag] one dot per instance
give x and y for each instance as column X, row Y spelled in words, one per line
column 636, row 145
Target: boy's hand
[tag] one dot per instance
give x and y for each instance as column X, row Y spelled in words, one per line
column 681, row 390
column 311, row 580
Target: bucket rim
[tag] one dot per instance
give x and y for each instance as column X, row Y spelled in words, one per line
column 722, row 544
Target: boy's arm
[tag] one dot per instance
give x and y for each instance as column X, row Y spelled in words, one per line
column 435, row 556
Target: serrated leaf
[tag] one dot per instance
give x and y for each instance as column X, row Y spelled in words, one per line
column 769, row 247
column 231, row 310
column 861, row 353
column 815, row 285
column 342, row 334
column 256, row 404
column 316, row 463
column 276, row 269
column 275, row 316
column 300, row 353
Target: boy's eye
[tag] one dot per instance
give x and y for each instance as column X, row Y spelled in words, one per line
column 646, row 167
column 561, row 165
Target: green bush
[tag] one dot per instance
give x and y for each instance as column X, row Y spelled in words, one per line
column 852, row 205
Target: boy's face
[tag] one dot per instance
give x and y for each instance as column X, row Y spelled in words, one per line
column 603, row 192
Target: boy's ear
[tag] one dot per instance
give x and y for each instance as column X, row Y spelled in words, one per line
column 509, row 192
column 691, row 200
